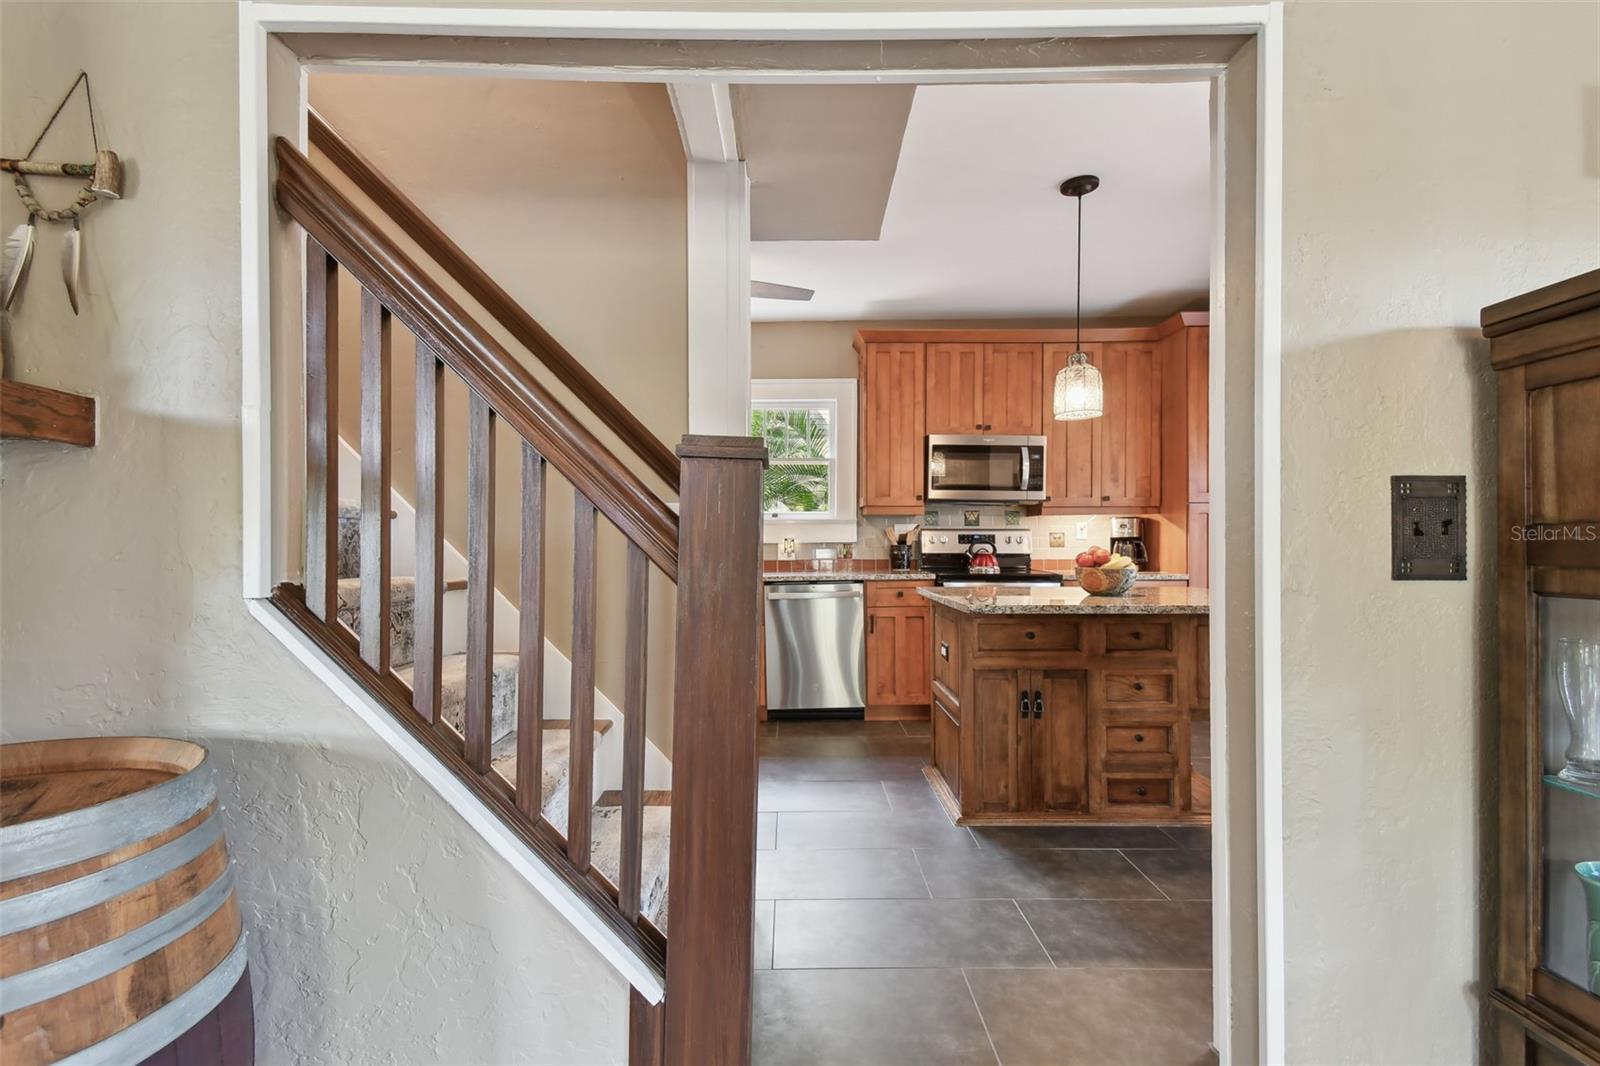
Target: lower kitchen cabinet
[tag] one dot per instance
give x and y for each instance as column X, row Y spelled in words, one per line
column 1053, row 718
column 899, row 637
column 1030, row 741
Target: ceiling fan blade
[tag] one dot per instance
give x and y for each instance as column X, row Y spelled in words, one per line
column 771, row 290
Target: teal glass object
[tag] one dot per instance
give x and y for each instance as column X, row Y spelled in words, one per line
column 1589, row 873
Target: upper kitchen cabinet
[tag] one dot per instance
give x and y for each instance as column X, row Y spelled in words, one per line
column 1130, row 429
column 1012, row 381
column 955, row 387
column 1071, row 472
column 893, row 427
column 988, row 388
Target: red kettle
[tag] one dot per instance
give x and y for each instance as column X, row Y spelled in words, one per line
column 981, row 559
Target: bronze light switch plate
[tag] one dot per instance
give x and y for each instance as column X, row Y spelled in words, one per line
column 1429, row 515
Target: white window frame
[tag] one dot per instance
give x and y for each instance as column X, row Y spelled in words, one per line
column 839, row 396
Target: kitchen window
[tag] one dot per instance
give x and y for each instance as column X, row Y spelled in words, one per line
column 808, row 490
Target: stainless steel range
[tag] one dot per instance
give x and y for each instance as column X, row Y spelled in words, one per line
column 983, row 557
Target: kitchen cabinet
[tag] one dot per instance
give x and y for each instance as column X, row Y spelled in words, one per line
column 1071, row 468
column 1197, row 365
column 1199, row 545
column 1130, row 430
column 899, row 639
column 893, row 427
column 955, row 387
column 1053, row 718
column 990, row 388
column 1110, row 463
column 1012, row 381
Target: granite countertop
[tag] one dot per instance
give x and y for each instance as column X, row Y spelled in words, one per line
column 813, row 577
column 1010, row 599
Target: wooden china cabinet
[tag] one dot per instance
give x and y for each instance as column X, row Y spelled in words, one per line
column 1545, row 350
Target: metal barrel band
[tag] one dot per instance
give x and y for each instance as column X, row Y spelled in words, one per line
column 70, row 897
column 161, row 1027
column 48, row 843
column 54, row 978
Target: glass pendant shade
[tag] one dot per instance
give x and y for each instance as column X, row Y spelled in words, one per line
column 1079, row 392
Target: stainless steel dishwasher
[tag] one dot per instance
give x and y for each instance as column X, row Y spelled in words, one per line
column 816, row 646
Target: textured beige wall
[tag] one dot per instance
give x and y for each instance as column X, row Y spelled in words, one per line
column 571, row 195
column 1437, row 157
column 382, row 928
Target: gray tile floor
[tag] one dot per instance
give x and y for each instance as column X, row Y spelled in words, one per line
column 886, row 935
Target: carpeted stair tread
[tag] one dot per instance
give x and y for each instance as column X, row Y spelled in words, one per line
column 453, row 692
column 607, row 855
column 402, row 615
column 554, row 765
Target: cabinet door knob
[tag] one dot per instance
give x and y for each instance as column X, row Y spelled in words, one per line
column 1138, row 738
column 1135, row 635
column 1105, row 499
column 1029, row 634
column 1138, row 686
column 1141, row 791
column 919, row 495
column 899, row 593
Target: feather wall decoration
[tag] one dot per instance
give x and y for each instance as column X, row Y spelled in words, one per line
column 71, row 263
column 19, row 252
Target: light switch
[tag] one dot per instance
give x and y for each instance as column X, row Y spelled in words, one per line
column 1082, row 532
column 1429, row 536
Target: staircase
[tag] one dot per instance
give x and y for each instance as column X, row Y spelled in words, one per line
column 478, row 710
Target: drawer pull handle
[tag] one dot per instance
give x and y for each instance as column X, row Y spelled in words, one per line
column 1138, row 686
column 1029, row 634
column 1022, row 711
column 1136, row 635
column 899, row 593
column 1138, row 738
column 1141, row 791
column 1038, row 704
column 944, row 649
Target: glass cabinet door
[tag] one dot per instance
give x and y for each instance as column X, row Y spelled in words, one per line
column 1568, row 693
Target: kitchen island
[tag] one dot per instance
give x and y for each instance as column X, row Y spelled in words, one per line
column 1054, row 706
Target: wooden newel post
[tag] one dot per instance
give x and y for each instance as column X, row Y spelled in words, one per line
column 712, row 887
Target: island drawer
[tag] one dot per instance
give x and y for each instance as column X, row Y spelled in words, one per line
column 1143, row 635
column 1145, row 790
column 1151, row 688
column 1030, row 635
column 1139, row 739
column 895, row 594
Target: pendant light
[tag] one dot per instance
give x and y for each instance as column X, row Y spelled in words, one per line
column 1079, row 392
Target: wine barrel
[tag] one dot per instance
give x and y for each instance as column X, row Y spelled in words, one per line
column 120, row 937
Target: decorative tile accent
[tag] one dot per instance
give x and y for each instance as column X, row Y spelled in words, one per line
column 930, row 518
column 972, row 518
column 1058, row 539
column 1013, row 518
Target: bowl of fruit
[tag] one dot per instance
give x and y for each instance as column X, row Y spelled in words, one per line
column 1105, row 573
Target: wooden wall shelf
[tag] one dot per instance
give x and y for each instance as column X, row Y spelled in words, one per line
column 33, row 412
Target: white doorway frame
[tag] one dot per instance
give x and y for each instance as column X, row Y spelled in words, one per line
column 1246, row 1028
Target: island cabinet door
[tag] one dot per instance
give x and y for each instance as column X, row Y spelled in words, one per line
column 1058, row 745
column 1002, row 702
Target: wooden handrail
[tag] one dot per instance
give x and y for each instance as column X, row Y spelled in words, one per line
column 515, row 396
column 495, row 300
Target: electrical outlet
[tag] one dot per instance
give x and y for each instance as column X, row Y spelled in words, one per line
column 1081, row 531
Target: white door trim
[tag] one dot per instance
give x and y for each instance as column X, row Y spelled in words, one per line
column 573, row 19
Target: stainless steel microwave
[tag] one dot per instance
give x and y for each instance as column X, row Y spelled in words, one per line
column 975, row 469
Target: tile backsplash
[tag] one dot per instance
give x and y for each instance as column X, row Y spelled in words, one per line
column 872, row 544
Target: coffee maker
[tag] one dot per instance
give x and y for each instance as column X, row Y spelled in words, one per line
column 1127, row 538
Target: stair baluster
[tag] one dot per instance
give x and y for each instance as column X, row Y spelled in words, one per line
column 480, row 582
column 530, row 638
column 630, row 867
column 375, row 588
column 426, row 692
column 322, row 433
column 581, row 783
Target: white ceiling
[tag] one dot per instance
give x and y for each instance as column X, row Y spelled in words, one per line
column 975, row 226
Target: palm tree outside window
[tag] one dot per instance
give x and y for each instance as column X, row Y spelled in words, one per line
column 800, row 481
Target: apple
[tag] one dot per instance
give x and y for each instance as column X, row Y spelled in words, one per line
column 1101, row 556
column 1085, row 559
